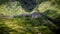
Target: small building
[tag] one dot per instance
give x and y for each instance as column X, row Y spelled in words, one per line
column 35, row 15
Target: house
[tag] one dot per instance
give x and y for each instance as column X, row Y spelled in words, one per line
column 35, row 15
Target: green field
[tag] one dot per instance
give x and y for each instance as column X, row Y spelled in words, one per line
column 29, row 25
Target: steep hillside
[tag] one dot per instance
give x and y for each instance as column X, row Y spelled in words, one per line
column 29, row 17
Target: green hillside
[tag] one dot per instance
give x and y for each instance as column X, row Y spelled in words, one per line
column 29, row 25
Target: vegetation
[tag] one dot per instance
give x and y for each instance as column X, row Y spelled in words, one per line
column 48, row 23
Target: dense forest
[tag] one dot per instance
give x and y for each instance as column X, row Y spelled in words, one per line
column 29, row 16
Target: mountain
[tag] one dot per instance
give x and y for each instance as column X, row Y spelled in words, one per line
column 30, row 16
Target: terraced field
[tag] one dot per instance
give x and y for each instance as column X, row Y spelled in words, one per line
column 26, row 24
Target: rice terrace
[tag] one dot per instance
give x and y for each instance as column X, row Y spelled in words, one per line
column 29, row 16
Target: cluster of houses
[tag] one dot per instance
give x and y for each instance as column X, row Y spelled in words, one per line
column 5, row 16
column 33, row 15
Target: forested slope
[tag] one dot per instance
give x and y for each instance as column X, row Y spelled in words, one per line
column 11, row 21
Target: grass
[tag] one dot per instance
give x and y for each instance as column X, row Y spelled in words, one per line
column 27, row 25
